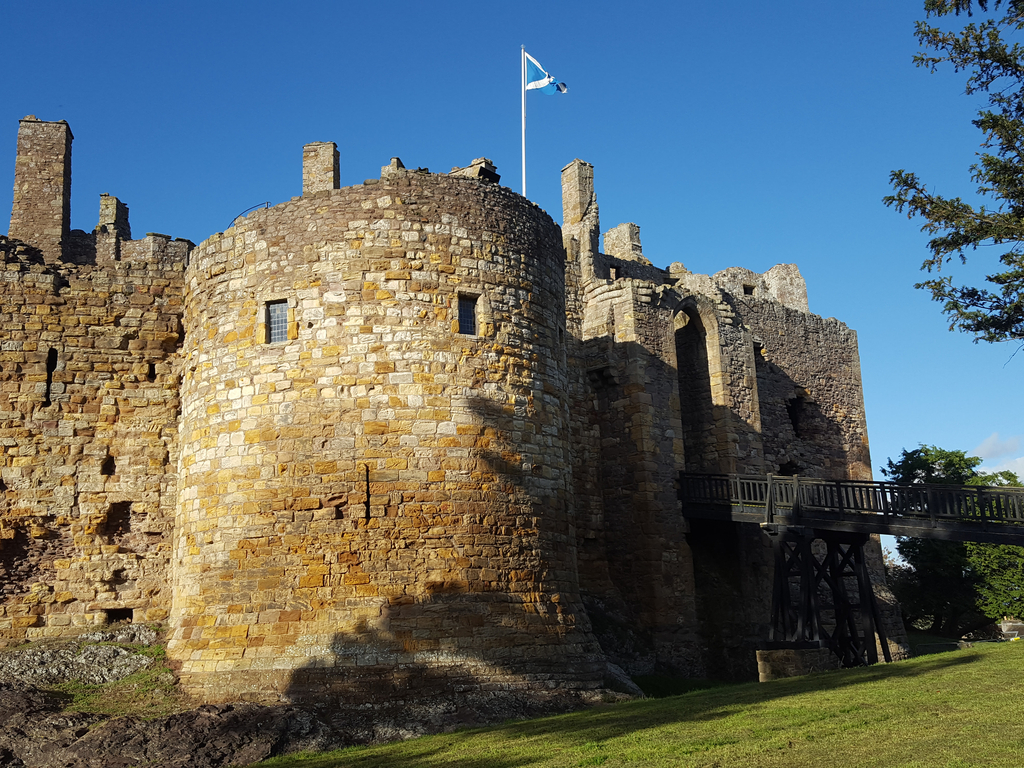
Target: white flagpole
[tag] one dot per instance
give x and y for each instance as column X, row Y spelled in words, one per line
column 523, row 94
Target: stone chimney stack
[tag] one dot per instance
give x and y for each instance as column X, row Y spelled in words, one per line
column 114, row 217
column 577, row 191
column 623, row 242
column 580, row 219
column 320, row 167
column 41, row 214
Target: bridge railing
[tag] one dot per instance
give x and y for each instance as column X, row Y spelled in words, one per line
column 797, row 495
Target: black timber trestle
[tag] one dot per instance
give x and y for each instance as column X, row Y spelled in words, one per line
column 822, row 594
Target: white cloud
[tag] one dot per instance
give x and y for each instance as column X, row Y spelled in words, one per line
column 992, row 447
column 1014, row 465
column 1000, row 454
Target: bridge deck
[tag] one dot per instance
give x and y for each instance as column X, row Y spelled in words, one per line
column 962, row 513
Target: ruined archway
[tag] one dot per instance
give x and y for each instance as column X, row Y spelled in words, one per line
column 702, row 393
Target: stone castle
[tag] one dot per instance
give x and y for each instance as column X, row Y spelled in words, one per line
column 396, row 438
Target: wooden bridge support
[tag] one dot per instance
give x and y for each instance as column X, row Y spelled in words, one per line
column 822, row 595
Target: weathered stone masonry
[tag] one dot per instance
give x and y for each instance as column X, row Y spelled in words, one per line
column 88, row 407
column 396, row 438
column 463, row 562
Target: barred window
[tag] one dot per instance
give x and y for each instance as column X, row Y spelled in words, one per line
column 277, row 321
column 467, row 315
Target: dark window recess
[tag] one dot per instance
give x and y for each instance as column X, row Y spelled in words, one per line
column 115, row 615
column 119, row 520
column 151, row 373
column 277, row 321
column 789, row 469
column 748, row 290
column 796, row 407
column 467, row 315
column 108, row 467
column 51, row 366
column 14, row 562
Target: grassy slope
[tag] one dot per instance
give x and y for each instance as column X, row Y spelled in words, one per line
column 951, row 710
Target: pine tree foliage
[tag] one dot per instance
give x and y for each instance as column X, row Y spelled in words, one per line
column 995, row 65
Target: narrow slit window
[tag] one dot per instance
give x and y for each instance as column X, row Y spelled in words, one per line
column 467, row 315
column 277, row 321
column 51, row 366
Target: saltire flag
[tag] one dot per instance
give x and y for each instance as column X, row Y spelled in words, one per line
column 537, row 79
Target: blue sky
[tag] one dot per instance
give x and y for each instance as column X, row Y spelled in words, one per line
column 741, row 134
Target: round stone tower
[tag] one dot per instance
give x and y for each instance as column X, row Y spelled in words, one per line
column 373, row 483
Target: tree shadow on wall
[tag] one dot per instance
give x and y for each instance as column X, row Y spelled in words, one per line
column 484, row 633
column 392, row 679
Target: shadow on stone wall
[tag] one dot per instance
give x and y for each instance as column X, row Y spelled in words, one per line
column 733, row 572
column 800, row 435
column 427, row 684
column 636, row 574
column 494, row 612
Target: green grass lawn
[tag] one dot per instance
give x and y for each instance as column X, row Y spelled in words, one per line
column 947, row 710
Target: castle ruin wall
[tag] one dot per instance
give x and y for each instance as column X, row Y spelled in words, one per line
column 88, row 426
column 398, row 438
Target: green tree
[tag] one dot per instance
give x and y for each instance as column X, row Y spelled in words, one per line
column 1000, row 572
column 995, row 67
column 952, row 587
column 929, row 464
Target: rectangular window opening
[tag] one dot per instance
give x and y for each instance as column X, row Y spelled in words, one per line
column 277, row 321
column 467, row 315
column 115, row 615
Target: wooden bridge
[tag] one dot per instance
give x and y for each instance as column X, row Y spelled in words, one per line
column 960, row 513
column 822, row 594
